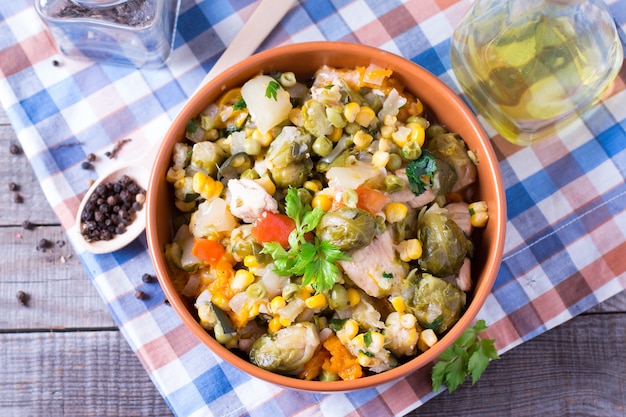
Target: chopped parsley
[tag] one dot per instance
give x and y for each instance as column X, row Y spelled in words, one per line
column 420, row 172
column 272, row 90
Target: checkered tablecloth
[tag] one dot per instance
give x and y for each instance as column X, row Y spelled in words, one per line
column 566, row 230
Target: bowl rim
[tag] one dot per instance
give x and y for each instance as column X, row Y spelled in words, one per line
column 492, row 262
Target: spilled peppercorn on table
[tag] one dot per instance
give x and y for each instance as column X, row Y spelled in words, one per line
column 89, row 336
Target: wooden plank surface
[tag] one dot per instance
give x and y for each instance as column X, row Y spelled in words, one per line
column 63, row 356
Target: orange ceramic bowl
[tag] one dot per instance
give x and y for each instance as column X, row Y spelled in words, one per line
column 304, row 59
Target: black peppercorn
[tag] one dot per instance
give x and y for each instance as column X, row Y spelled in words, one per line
column 140, row 295
column 148, row 278
column 17, row 198
column 22, row 298
column 13, row 186
column 27, row 225
column 86, row 165
column 15, row 149
column 91, row 157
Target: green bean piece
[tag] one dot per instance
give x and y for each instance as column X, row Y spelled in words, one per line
column 322, row 146
column 393, row 183
column 411, row 150
column 338, row 299
column 290, row 290
column 287, row 79
column 256, row 290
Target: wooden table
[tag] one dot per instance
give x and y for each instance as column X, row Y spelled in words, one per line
column 62, row 355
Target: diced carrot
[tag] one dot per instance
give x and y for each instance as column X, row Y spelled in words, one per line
column 313, row 367
column 341, row 362
column 208, row 250
column 370, row 199
column 273, row 227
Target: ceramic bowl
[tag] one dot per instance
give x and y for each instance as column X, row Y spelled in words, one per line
column 303, row 59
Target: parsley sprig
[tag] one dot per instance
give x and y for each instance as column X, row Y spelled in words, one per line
column 469, row 355
column 313, row 261
column 272, row 90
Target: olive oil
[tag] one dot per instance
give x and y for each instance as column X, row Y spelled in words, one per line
column 530, row 67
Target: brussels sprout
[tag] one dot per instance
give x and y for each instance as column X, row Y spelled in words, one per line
column 287, row 350
column 444, row 244
column 450, row 148
column 315, row 120
column 347, row 228
column 291, row 145
column 436, row 303
column 293, row 175
column 207, row 156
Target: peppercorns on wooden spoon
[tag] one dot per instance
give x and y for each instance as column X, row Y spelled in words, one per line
column 126, row 223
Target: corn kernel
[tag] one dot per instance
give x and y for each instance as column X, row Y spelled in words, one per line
column 336, row 134
column 274, row 325
column 322, row 201
column 317, row 301
column 353, row 297
column 387, row 131
column 266, row 182
column 380, row 159
column 349, row 330
column 243, row 278
column 350, row 111
column 277, row 303
column 410, row 250
column 479, row 219
column 173, row 175
column 418, row 134
column 477, row 206
column 398, row 304
column 426, row 340
column 401, row 136
column 263, row 138
column 408, row 321
column 365, row 116
column 377, row 342
column 185, row 207
column 389, row 120
column 284, row 321
column 396, row 212
column 313, row 185
column 206, row 186
column 220, row 301
column 250, row 261
column 295, row 116
column 362, row 140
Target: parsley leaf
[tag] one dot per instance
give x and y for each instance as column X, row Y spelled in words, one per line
column 313, row 261
column 420, row 172
column 272, row 90
column 469, row 355
column 240, row 104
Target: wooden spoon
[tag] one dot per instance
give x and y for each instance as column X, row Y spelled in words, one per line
column 264, row 18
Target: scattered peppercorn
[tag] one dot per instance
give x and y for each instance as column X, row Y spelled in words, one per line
column 91, row 157
column 60, row 243
column 86, row 165
column 27, row 225
column 166, row 302
column 17, row 198
column 43, row 245
column 140, row 295
column 15, row 149
column 13, row 186
column 147, row 278
column 111, row 209
column 56, row 63
column 22, row 298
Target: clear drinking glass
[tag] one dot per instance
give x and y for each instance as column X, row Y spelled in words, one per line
column 530, row 67
column 138, row 33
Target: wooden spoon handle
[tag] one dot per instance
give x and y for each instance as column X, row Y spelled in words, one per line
column 264, row 18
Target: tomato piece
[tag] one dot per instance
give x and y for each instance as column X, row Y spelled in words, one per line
column 208, row 250
column 273, row 227
column 370, row 199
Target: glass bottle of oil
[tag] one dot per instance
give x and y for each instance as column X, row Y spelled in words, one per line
column 529, row 67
